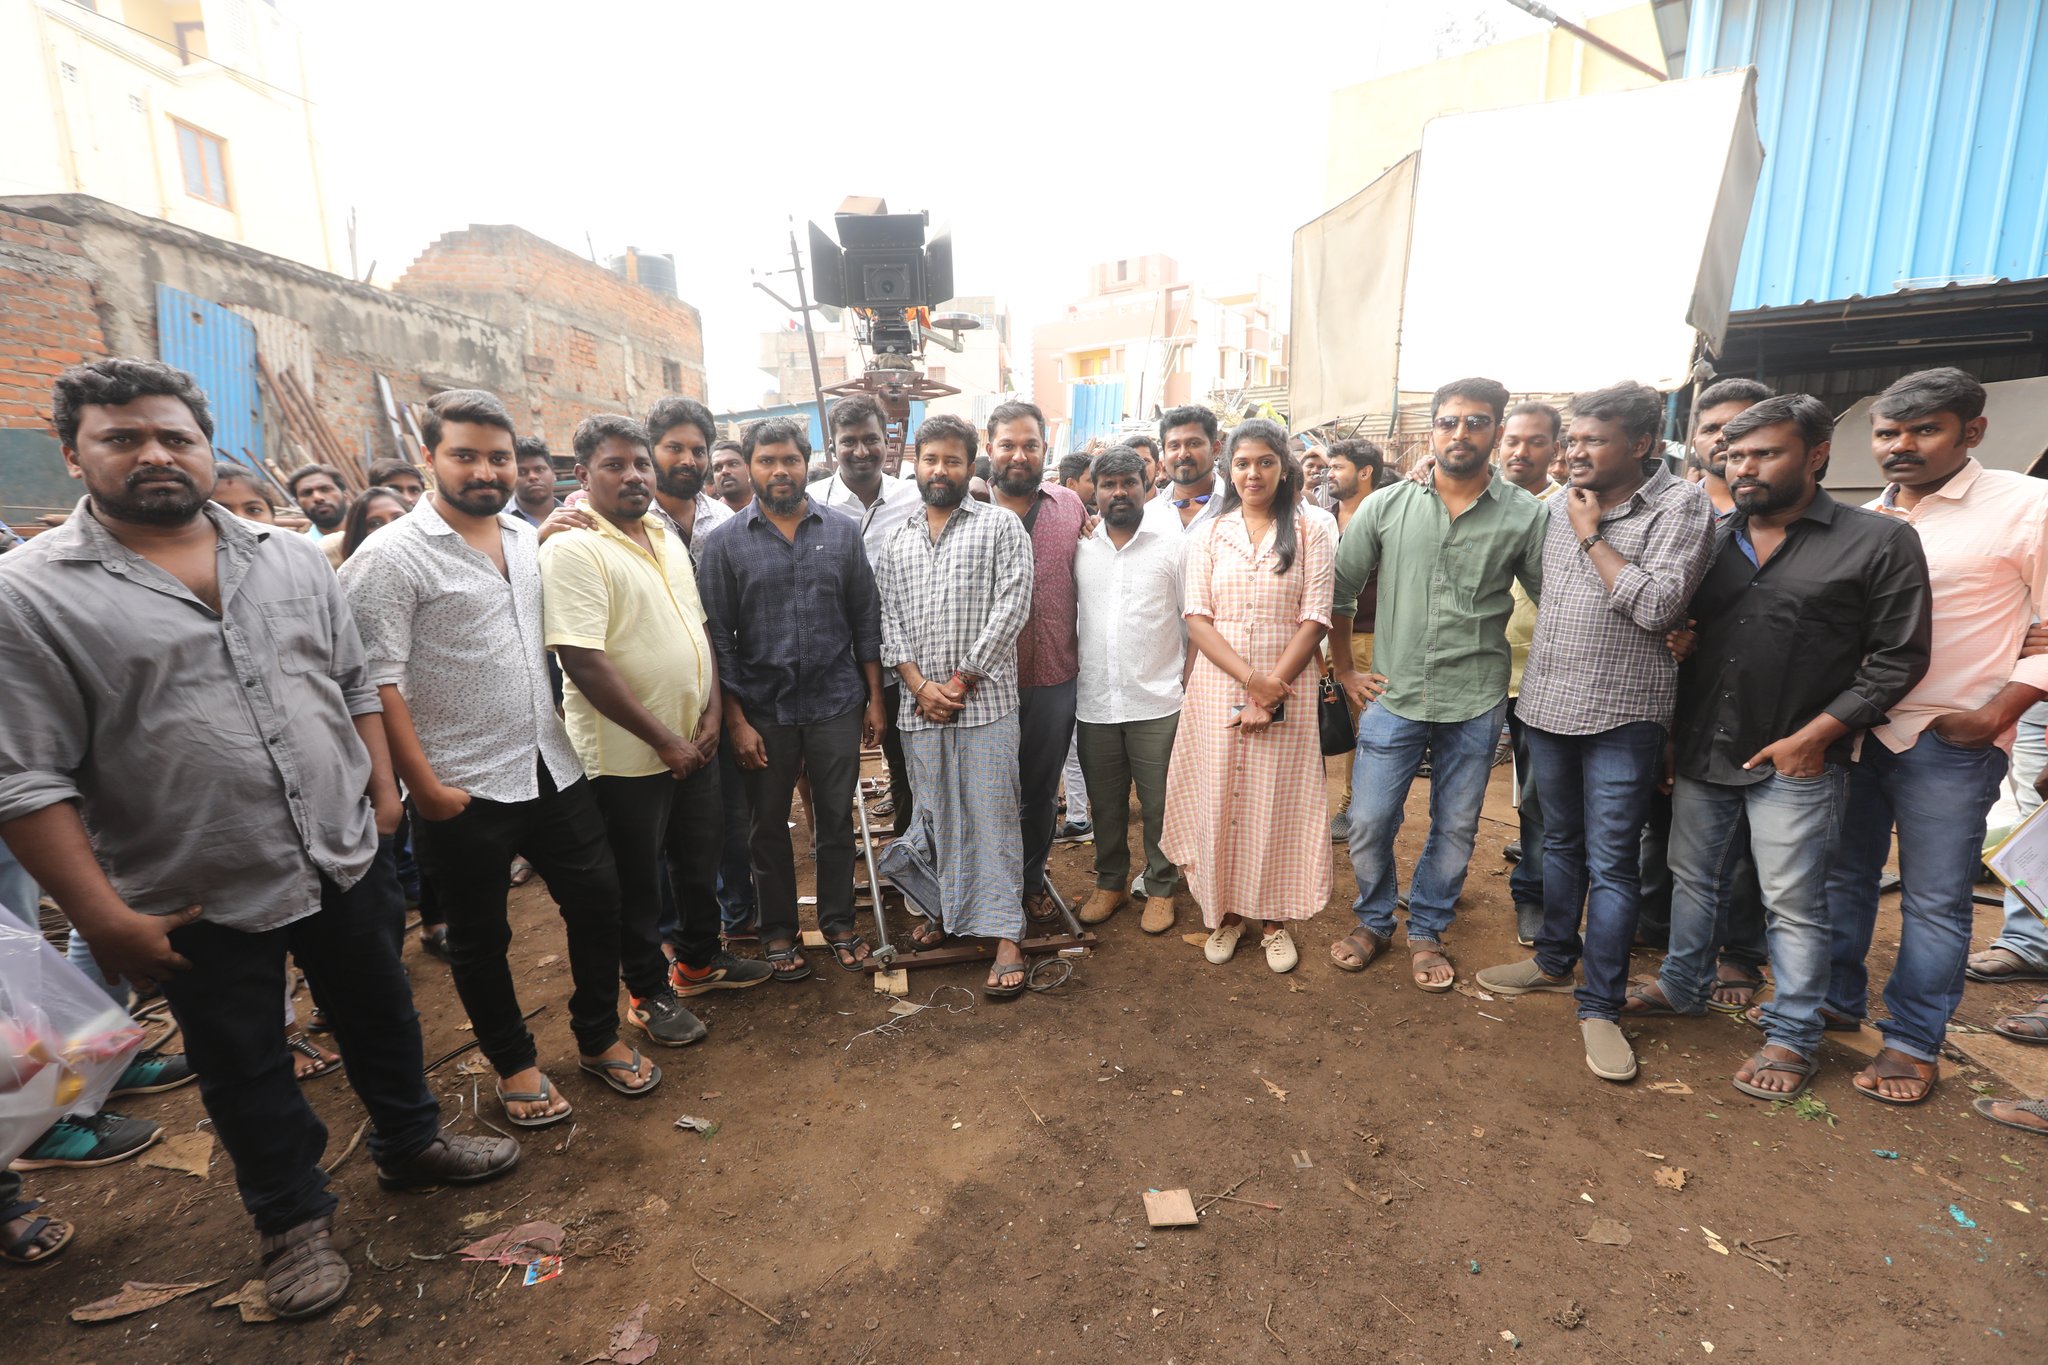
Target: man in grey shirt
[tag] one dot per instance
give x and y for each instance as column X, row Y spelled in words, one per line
column 192, row 761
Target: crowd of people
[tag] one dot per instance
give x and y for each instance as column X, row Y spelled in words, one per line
column 228, row 747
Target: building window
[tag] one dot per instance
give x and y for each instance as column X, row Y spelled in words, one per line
column 69, row 72
column 135, row 103
column 671, row 376
column 1123, row 271
column 205, row 162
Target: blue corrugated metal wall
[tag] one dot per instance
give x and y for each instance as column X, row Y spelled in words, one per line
column 1096, row 409
column 1903, row 139
column 218, row 349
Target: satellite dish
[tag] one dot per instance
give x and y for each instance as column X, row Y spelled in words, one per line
column 956, row 322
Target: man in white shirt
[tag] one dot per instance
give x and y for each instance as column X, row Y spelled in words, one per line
column 880, row 503
column 1190, row 437
column 1133, row 647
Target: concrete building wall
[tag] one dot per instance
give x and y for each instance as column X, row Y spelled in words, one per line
column 594, row 341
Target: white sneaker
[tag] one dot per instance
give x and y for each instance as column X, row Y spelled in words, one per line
column 1222, row 944
column 1280, row 951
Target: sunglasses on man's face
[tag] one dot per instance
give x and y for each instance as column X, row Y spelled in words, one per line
column 1475, row 421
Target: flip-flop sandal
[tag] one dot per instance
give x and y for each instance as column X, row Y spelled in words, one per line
column 16, row 1251
column 521, row 872
column 609, row 1073
column 931, row 938
column 303, row 1046
column 1415, row 972
column 882, row 809
column 1653, row 1007
column 2035, row 1023
column 544, row 1095
column 1896, row 1069
column 1982, row 1104
column 1751, row 980
column 843, row 953
column 788, row 964
column 1759, row 1063
column 1002, row 969
column 2015, row 967
column 1040, row 909
column 1365, row 943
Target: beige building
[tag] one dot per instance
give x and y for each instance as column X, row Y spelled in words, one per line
column 1143, row 340
column 1375, row 123
column 193, row 112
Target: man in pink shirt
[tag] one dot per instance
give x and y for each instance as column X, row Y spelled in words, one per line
column 1934, row 768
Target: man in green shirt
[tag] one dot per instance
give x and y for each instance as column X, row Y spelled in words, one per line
column 1446, row 552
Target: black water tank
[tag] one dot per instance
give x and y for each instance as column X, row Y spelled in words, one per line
column 657, row 273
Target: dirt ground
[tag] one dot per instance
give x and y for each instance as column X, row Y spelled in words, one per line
column 969, row 1186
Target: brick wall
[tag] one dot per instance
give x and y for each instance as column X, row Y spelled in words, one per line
column 594, row 341
column 47, row 316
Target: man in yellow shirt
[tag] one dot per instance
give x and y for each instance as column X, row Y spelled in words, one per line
column 642, row 708
column 1528, row 446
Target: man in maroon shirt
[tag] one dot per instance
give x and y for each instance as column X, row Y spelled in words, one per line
column 1048, row 658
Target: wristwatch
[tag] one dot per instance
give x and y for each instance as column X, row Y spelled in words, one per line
column 1590, row 541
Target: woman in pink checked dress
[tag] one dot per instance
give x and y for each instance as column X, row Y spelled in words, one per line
column 1245, row 801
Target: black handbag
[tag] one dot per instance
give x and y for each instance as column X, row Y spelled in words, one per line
column 1333, row 719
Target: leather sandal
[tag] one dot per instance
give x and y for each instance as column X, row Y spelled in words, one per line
column 16, row 1252
column 1804, row 1069
column 1896, row 1066
column 452, row 1161
column 303, row 1275
column 1364, row 943
column 2030, row 1026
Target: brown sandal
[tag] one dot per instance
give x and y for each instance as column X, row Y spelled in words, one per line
column 1892, row 1065
column 2032, row 1025
column 303, row 1274
column 1416, row 969
column 1364, row 944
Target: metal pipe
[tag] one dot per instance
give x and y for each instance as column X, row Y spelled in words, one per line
column 1588, row 37
column 884, row 951
column 810, row 341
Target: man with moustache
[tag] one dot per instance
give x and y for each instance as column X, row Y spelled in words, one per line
column 448, row 598
column 321, row 495
column 1446, row 550
column 642, row 707
column 1188, row 438
column 1718, row 404
column 401, row 478
column 1047, row 664
column 1813, row 621
column 880, row 503
column 1148, row 451
column 1127, row 584
column 790, row 604
column 729, row 475
column 534, row 496
column 173, row 672
column 955, row 585
column 1933, row 769
column 1528, row 443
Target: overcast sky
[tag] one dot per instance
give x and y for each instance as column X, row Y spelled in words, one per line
column 1048, row 135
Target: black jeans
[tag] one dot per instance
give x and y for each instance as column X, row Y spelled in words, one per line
column 562, row 834
column 226, row 1006
column 655, row 821
column 829, row 754
column 899, row 773
column 1045, row 728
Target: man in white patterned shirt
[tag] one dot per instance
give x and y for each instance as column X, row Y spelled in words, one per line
column 955, row 586
column 448, row 600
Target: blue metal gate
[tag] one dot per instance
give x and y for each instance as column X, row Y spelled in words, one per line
column 1096, row 409
column 218, row 349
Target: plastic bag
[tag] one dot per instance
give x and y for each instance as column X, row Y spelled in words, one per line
column 63, row 1043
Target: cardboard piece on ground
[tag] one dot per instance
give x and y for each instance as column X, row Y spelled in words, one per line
column 1170, row 1209
column 1865, row 1042
column 1196, row 939
column 187, row 1154
column 136, row 1296
column 2023, row 1066
column 894, row 982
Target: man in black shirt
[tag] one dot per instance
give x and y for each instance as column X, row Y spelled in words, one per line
column 1814, row 620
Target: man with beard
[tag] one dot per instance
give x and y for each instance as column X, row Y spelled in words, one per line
column 642, row 708
column 449, row 601
column 1528, row 443
column 1717, row 405
column 880, row 503
column 1446, row 550
column 1148, row 451
column 681, row 430
column 1933, row 769
column 320, row 494
column 1133, row 653
column 1047, row 665
column 729, row 475
column 790, row 602
column 955, row 586
column 1624, row 547
column 534, row 498
column 150, row 609
column 1813, row 622
column 1188, row 435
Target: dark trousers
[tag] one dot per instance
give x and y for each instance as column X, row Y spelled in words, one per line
column 418, row 888
column 829, row 754
column 562, row 834
column 735, row 868
column 892, row 753
column 1045, row 729
column 1525, row 882
column 226, row 1005
column 657, row 823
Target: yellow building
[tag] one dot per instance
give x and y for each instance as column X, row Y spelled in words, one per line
column 194, row 112
column 1375, row 123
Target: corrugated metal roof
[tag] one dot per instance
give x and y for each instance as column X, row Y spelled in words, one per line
column 218, row 349
column 1905, row 140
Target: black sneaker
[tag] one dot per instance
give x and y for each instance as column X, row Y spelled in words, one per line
column 1512, row 850
column 664, row 1020
column 97, row 1140
column 151, row 1072
column 1075, row 832
column 724, row 973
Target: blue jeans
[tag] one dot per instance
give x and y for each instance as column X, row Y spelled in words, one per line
column 1390, row 749
column 1790, row 827
column 2025, row 933
column 736, row 904
column 1595, row 791
column 1937, row 795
